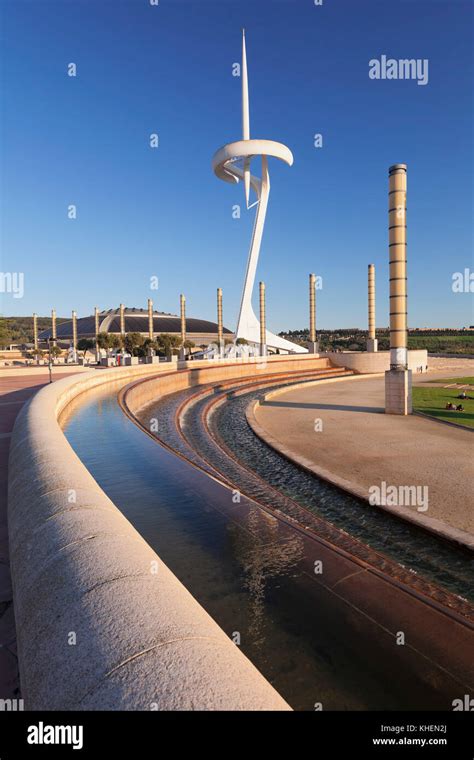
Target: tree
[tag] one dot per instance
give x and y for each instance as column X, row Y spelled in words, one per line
column 102, row 341
column 167, row 342
column 4, row 334
column 85, row 345
column 241, row 342
column 132, row 342
column 109, row 341
column 55, row 351
column 188, row 344
column 115, row 341
column 152, row 344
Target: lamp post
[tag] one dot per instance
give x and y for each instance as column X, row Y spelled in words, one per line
column 50, row 363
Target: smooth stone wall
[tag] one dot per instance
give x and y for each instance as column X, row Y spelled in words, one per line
column 102, row 623
column 373, row 362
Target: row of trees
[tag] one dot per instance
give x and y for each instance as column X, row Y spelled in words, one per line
column 135, row 344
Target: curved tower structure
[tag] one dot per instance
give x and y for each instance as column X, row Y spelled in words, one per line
column 232, row 163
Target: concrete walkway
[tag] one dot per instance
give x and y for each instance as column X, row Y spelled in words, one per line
column 359, row 446
column 16, row 387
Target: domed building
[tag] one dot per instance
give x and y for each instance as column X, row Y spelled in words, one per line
column 200, row 331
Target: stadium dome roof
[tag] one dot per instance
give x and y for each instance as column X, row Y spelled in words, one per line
column 136, row 320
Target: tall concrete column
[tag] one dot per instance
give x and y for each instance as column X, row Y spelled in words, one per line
column 182, row 307
column 263, row 330
column 220, row 326
column 122, row 320
column 182, row 310
column 96, row 328
column 312, row 345
column 398, row 378
column 150, row 319
column 53, row 325
column 372, row 343
column 74, row 333
column 35, row 333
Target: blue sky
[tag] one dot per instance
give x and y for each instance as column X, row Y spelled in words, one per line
column 167, row 69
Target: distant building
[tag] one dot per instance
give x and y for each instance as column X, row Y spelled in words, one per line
column 200, row 331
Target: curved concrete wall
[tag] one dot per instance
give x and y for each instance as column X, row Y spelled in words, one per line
column 143, row 393
column 102, row 623
column 379, row 361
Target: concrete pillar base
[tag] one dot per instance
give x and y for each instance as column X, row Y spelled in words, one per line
column 312, row 346
column 372, row 345
column 182, row 354
column 398, row 392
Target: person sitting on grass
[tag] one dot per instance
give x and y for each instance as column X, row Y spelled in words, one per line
column 460, row 408
column 463, row 395
column 450, row 406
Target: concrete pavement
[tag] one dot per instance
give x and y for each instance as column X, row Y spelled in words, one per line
column 339, row 431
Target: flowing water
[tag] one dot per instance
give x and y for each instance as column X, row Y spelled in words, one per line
column 250, row 572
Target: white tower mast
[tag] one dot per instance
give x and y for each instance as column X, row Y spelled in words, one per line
column 231, row 163
column 245, row 117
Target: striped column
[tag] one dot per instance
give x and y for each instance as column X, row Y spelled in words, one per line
column 397, row 233
column 371, row 341
column 150, row 319
column 182, row 304
column 74, row 330
column 398, row 379
column 263, row 331
column 122, row 319
column 312, row 308
column 220, row 326
column 96, row 329
column 371, row 299
column 35, row 332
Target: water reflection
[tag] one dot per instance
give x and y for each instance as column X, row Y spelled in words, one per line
column 250, row 572
column 263, row 562
column 410, row 555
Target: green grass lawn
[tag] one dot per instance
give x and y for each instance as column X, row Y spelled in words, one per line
column 433, row 400
column 459, row 380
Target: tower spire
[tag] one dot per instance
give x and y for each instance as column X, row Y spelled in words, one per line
column 245, row 116
column 245, row 93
